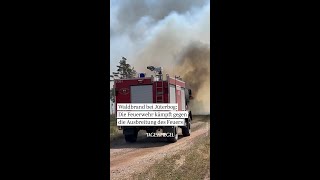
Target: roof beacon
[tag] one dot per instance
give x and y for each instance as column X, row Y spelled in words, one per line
column 141, row 75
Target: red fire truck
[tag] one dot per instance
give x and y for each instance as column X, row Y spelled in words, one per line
column 154, row 89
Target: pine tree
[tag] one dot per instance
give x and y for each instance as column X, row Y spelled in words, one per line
column 125, row 71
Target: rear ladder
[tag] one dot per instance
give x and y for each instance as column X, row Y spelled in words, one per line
column 159, row 92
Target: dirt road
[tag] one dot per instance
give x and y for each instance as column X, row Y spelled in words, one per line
column 131, row 158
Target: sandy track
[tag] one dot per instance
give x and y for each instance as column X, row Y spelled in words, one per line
column 129, row 158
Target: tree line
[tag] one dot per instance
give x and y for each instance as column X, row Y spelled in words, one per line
column 124, row 71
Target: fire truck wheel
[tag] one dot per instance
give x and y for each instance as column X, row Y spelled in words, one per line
column 186, row 131
column 176, row 136
column 149, row 130
column 131, row 138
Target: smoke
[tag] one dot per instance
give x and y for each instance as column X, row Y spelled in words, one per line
column 194, row 67
column 174, row 34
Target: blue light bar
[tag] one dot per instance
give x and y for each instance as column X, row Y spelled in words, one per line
column 142, row 75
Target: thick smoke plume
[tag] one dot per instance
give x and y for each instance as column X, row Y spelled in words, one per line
column 174, row 34
column 194, row 68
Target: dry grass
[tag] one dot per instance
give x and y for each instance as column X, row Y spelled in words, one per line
column 189, row 164
column 114, row 132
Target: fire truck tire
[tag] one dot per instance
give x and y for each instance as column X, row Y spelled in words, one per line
column 149, row 131
column 186, row 131
column 176, row 136
column 131, row 137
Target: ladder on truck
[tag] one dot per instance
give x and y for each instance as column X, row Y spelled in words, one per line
column 159, row 92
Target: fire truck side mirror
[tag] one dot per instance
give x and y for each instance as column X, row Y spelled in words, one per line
column 190, row 94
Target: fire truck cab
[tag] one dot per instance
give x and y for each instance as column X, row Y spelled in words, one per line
column 154, row 89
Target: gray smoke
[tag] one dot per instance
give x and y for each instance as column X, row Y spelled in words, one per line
column 174, row 34
column 194, row 68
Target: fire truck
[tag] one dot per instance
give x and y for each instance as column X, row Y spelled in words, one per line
column 154, row 89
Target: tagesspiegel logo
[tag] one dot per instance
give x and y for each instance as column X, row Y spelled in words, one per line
column 160, row 134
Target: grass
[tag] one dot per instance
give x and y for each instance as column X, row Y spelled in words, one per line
column 189, row 164
column 202, row 118
column 114, row 132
